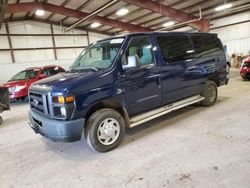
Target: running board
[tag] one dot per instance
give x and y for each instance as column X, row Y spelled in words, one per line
column 142, row 118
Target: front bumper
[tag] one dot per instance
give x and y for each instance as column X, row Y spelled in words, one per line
column 64, row 131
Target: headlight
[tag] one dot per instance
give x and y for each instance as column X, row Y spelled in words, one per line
column 16, row 88
column 63, row 107
column 63, row 100
column 12, row 89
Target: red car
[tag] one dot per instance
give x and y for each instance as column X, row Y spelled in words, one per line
column 19, row 84
column 245, row 68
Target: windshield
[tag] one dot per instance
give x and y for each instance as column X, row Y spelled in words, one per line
column 25, row 75
column 98, row 56
column 246, row 64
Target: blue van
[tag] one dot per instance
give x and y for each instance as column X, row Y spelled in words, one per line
column 125, row 81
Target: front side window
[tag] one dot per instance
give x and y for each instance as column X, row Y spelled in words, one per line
column 25, row 75
column 141, row 48
column 98, row 56
column 175, row 48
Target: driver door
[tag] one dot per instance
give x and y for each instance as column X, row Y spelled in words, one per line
column 141, row 82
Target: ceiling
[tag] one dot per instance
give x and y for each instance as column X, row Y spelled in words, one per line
column 67, row 12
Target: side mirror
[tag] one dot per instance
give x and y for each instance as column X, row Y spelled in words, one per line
column 132, row 62
column 42, row 76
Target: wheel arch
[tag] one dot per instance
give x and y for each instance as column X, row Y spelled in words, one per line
column 112, row 104
column 214, row 77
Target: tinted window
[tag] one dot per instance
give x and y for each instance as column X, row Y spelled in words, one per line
column 206, row 46
column 141, row 48
column 175, row 48
column 45, row 72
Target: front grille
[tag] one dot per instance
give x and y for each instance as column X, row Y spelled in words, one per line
column 39, row 102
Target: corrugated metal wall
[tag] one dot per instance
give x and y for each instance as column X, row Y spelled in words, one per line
column 235, row 36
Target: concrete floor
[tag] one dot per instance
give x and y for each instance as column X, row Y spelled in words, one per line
column 192, row 147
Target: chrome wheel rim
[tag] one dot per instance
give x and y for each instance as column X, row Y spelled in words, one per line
column 211, row 93
column 108, row 131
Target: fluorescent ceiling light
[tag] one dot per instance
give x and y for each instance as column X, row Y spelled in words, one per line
column 39, row 12
column 122, row 12
column 95, row 25
column 167, row 24
column 223, row 7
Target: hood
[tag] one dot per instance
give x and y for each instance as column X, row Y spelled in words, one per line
column 71, row 81
column 14, row 83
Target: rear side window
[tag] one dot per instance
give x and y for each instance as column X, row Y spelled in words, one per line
column 175, row 48
column 206, row 46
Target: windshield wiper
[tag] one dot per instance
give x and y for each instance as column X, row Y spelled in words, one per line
column 86, row 66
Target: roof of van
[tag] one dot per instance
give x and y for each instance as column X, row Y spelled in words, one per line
column 159, row 32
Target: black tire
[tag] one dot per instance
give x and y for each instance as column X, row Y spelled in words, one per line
column 1, row 120
column 98, row 126
column 210, row 93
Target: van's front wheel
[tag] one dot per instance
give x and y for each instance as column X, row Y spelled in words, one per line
column 104, row 130
column 210, row 93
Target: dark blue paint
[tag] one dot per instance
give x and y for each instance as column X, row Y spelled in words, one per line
column 140, row 89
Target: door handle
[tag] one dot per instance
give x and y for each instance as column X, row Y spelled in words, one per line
column 158, row 81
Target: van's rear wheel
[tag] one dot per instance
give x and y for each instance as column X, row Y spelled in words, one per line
column 104, row 130
column 210, row 93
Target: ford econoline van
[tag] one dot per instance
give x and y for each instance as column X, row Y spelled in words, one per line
column 124, row 81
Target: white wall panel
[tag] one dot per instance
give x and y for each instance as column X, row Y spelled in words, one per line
column 5, row 58
column 33, row 55
column 95, row 36
column 17, row 27
column 63, row 41
column 3, row 30
column 4, row 43
column 59, row 30
column 80, row 41
column 40, row 41
column 66, row 54
column 31, row 41
column 66, row 41
column 29, row 27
